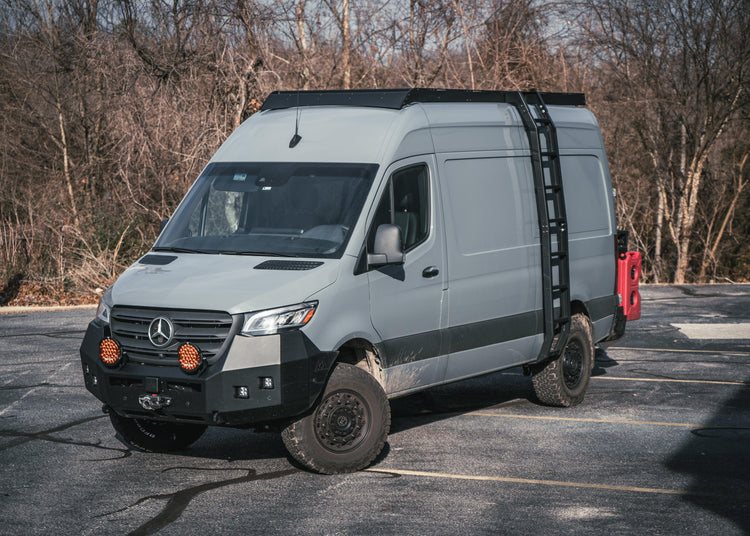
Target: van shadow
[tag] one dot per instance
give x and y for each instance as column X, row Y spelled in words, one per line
column 715, row 458
column 506, row 388
column 602, row 362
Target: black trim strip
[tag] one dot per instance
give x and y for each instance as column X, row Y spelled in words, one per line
column 459, row 338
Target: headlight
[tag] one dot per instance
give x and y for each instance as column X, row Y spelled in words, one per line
column 102, row 312
column 273, row 321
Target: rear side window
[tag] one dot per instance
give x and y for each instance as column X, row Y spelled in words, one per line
column 586, row 195
column 405, row 203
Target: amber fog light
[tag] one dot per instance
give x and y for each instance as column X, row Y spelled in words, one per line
column 190, row 358
column 109, row 352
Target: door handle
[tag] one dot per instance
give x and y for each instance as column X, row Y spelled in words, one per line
column 430, row 271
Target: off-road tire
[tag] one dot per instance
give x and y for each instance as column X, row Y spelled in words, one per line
column 156, row 436
column 347, row 429
column 562, row 381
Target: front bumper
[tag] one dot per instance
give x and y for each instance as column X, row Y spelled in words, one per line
column 299, row 372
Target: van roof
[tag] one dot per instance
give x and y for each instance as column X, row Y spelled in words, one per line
column 381, row 126
column 398, row 98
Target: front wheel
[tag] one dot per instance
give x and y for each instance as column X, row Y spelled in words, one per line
column 156, row 436
column 347, row 429
column 563, row 380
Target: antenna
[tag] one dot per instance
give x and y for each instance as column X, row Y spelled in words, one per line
column 296, row 138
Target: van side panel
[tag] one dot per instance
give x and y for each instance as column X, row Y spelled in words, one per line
column 493, row 262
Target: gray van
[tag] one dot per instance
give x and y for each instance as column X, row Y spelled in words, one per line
column 346, row 247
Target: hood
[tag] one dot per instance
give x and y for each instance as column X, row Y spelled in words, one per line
column 228, row 283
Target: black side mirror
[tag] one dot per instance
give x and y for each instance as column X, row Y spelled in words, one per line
column 163, row 224
column 388, row 248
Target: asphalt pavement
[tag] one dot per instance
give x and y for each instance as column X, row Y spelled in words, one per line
column 660, row 445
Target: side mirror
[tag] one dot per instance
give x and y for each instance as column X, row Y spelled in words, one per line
column 388, row 248
column 163, row 224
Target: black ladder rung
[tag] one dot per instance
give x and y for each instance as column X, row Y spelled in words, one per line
column 563, row 320
column 558, row 254
column 550, row 154
column 558, row 220
column 543, row 120
column 553, row 186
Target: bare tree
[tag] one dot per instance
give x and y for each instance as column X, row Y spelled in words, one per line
column 683, row 65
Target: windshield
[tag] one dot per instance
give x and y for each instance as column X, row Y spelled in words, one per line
column 271, row 209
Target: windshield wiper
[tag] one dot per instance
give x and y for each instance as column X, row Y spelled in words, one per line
column 222, row 252
column 258, row 253
column 185, row 250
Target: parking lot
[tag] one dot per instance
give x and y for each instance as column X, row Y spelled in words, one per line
column 660, row 445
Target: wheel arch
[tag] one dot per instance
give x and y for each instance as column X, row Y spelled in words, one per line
column 577, row 306
column 362, row 353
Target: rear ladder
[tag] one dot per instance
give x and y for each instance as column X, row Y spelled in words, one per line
column 553, row 224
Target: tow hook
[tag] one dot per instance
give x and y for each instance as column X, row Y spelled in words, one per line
column 154, row 402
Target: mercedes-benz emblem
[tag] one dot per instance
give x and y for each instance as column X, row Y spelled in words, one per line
column 160, row 331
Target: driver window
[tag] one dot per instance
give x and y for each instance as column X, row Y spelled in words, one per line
column 404, row 203
column 223, row 210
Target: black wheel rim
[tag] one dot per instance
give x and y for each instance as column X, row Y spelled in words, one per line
column 342, row 421
column 573, row 364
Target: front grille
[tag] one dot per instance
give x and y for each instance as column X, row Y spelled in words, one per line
column 208, row 330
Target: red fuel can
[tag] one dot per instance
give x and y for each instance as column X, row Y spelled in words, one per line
column 628, row 275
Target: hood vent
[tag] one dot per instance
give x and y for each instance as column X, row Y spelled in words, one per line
column 288, row 265
column 158, row 260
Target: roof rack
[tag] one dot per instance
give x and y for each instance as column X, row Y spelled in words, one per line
column 396, row 99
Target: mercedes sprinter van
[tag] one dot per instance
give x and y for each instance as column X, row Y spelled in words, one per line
column 346, row 247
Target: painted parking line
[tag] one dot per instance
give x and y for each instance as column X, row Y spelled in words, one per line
column 580, row 419
column 555, row 483
column 678, row 350
column 669, row 380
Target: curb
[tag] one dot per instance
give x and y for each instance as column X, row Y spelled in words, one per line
column 17, row 309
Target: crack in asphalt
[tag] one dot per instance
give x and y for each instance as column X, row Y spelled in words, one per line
column 46, row 435
column 179, row 500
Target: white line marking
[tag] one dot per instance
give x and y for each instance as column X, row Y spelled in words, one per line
column 607, row 487
column 580, row 419
column 678, row 350
column 33, row 390
column 667, row 380
column 715, row 331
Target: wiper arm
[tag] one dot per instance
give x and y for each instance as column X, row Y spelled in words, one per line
column 185, row 250
column 257, row 253
column 222, row 252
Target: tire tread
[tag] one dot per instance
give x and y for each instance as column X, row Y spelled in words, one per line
column 547, row 378
column 298, row 435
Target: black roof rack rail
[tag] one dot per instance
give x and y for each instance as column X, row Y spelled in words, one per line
column 396, row 99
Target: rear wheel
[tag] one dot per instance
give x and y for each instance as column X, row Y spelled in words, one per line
column 563, row 381
column 156, row 436
column 347, row 429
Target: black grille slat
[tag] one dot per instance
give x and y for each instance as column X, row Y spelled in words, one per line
column 208, row 330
